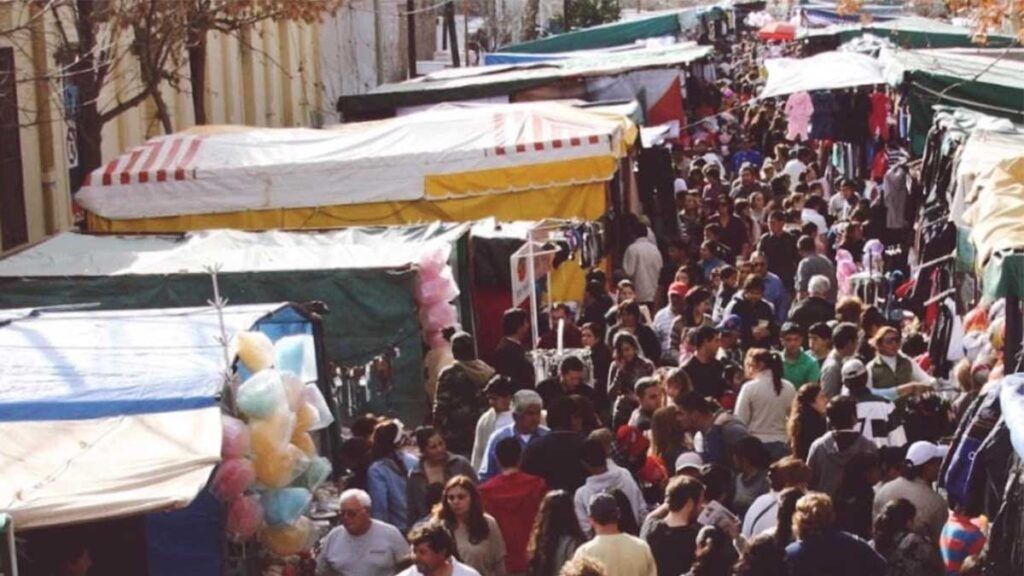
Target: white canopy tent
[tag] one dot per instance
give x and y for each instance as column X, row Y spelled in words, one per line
column 109, row 414
column 825, row 71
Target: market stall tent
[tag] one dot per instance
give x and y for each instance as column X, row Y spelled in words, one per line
column 364, row 276
column 547, row 80
column 651, row 25
column 825, row 71
column 115, row 413
column 987, row 80
column 453, row 163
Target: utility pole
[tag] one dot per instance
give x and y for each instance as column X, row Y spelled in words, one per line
column 565, row 16
column 378, row 39
column 410, row 20
column 453, row 35
column 465, row 29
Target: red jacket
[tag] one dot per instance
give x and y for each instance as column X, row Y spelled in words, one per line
column 514, row 499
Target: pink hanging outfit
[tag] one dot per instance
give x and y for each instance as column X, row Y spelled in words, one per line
column 798, row 110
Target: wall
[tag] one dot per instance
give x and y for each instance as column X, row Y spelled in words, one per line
column 274, row 76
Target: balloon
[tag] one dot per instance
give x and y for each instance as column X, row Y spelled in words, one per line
column 303, row 441
column 289, row 540
column 306, row 417
column 296, row 354
column 272, row 433
column 236, row 439
column 261, row 394
column 274, row 468
column 284, row 506
column 245, row 518
column 293, row 390
column 316, row 398
column 232, row 478
column 318, row 471
column 255, row 350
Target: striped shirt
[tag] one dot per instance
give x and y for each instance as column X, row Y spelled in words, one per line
column 960, row 538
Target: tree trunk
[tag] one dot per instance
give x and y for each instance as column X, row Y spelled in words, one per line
column 83, row 74
column 530, row 20
column 162, row 111
column 197, row 73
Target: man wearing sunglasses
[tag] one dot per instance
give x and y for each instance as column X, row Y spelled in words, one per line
column 361, row 546
column 892, row 374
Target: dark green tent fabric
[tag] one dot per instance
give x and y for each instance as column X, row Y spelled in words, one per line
column 371, row 310
column 604, row 36
column 1004, row 275
column 987, row 81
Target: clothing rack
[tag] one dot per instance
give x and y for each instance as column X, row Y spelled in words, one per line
column 931, row 263
column 938, row 297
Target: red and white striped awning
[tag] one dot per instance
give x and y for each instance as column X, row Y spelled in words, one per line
column 384, row 161
column 158, row 160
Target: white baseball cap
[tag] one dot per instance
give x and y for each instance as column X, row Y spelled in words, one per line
column 853, row 368
column 689, row 460
column 921, row 452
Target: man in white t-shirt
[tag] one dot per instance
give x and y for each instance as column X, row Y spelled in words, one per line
column 361, row 546
column 433, row 551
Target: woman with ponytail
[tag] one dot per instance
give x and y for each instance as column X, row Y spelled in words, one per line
column 765, row 399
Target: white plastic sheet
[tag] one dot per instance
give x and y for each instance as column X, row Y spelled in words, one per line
column 825, row 71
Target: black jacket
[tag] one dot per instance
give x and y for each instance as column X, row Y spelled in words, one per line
column 510, row 360
column 812, row 310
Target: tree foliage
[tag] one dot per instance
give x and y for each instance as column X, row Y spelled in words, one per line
column 989, row 16
column 587, row 13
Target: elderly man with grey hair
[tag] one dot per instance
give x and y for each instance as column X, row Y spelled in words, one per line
column 527, row 407
column 361, row 546
column 816, row 307
column 813, row 264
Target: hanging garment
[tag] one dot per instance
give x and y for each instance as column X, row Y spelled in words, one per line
column 878, row 122
column 895, row 189
column 799, row 109
column 823, row 125
column 860, row 117
column 842, row 109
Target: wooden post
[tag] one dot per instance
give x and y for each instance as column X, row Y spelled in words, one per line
column 453, row 35
column 410, row 19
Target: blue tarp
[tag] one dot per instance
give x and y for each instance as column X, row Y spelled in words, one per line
column 514, row 58
column 85, row 365
column 1011, row 401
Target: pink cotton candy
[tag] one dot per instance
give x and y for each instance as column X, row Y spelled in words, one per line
column 236, row 439
column 433, row 260
column 232, row 479
column 245, row 518
column 437, row 316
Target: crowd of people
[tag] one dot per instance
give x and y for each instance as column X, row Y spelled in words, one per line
column 749, row 411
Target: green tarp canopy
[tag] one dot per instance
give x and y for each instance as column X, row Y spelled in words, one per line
column 362, row 275
column 911, row 32
column 986, row 80
column 607, row 35
column 1004, row 276
column 506, row 80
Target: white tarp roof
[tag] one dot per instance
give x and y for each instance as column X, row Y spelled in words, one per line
column 107, row 414
column 981, row 153
column 217, row 171
column 70, row 254
column 996, row 218
column 825, row 71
